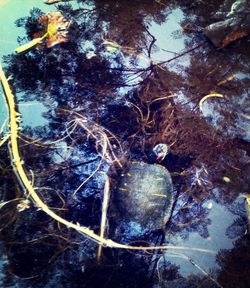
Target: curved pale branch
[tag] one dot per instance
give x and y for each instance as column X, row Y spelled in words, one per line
column 27, row 185
column 209, row 96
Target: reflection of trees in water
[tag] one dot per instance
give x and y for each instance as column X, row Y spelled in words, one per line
column 128, row 21
column 169, row 278
column 63, row 78
column 224, row 71
column 191, row 217
column 239, row 225
column 234, row 264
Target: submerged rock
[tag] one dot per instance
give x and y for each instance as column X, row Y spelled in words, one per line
column 234, row 24
column 143, row 199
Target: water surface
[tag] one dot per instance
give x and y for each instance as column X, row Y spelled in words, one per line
column 140, row 89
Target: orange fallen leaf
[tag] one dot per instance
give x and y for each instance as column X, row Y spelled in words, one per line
column 55, row 32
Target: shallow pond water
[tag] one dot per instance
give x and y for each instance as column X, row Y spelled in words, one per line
column 128, row 75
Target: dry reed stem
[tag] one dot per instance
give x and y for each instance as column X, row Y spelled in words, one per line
column 179, row 255
column 18, row 168
column 49, row 143
column 102, row 143
column 2, row 204
column 105, row 203
column 4, row 139
column 209, row 96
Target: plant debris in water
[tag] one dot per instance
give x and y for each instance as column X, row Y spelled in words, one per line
column 115, row 80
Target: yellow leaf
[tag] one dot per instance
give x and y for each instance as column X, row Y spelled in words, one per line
column 111, row 46
column 51, row 29
column 226, row 179
column 111, row 49
column 111, row 43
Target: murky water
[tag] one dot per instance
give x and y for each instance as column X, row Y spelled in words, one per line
column 128, row 76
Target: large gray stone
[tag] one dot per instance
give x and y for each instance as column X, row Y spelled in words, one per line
column 234, row 25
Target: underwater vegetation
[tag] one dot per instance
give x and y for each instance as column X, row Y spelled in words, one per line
column 86, row 197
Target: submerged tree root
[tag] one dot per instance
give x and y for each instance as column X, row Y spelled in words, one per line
column 18, row 168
